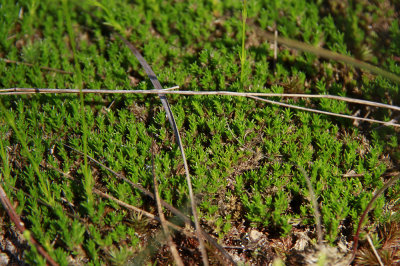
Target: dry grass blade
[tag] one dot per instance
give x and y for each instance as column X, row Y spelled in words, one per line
column 374, row 250
column 364, row 214
column 314, row 203
column 135, row 209
column 163, row 98
column 332, row 55
column 174, row 210
column 21, row 227
column 171, row 244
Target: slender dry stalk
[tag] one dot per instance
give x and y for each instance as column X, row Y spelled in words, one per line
column 171, row 244
column 254, row 95
column 275, row 48
column 374, row 250
column 119, row 202
column 136, row 209
column 314, row 203
column 21, row 227
column 8, row 61
column 326, row 113
column 157, row 85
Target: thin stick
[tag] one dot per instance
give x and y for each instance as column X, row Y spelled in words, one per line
column 29, row 64
column 314, row 203
column 13, row 91
column 374, row 250
column 136, row 209
column 275, row 49
column 171, row 244
column 157, row 85
column 331, row 55
column 21, row 227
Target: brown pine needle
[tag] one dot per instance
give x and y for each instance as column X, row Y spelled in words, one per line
column 171, row 244
column 331, row 55
column 8, row 61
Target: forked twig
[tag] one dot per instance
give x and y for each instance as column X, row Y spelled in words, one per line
column 157, row 85
column 174, row 210
column 122, row 203
column 21, row 227
column 171, row 244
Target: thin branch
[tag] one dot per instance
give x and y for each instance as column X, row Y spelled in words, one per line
column 21, row 227
column 171, row 244
column 331, row 55
column 29, row 64
column 254, row 95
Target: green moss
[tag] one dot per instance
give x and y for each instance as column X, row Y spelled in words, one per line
column 243, row 155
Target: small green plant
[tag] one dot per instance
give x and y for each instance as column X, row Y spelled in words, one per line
column 242, row 55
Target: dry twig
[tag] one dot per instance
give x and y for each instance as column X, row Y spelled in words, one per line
column 21, row 227
column 29, row 64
